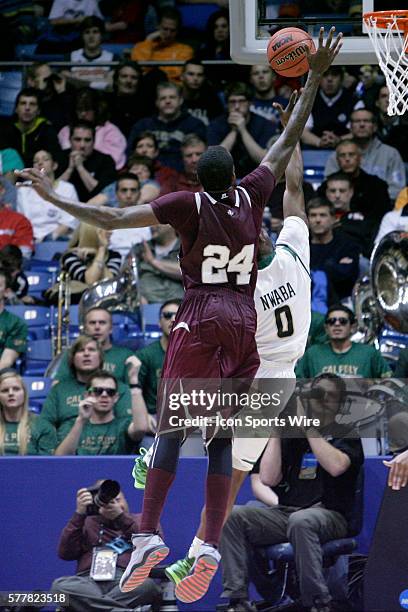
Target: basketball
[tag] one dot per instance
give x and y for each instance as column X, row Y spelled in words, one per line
column 286, row 52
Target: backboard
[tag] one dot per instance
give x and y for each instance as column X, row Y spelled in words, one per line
column 250, row 21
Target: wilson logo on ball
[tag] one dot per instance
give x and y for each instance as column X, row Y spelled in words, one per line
column 289, row 57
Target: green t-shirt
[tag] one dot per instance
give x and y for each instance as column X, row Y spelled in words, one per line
column 60, row 408
column 105, row 438
column 13, row 332
column 152, row 358
column 42, row 438
column 360, row 361
column 114, row 362
column 317, row 333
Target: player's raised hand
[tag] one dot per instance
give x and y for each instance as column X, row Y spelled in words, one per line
column 322, row 58
column 38, row 180
column 398, row 476
column 285, row 113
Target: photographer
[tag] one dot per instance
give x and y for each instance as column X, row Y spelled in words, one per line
column 100, row 543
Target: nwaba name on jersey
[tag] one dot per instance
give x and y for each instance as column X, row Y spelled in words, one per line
column 277, row 296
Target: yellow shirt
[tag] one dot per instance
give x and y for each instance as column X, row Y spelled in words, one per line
column 149, row 50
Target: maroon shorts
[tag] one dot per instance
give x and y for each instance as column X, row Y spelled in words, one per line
column 212, row 339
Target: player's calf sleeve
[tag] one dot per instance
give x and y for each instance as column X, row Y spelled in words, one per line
column 217, row 487
column 160, row 477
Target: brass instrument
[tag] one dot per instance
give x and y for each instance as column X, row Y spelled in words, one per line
column 382, row 299
column 60, row 339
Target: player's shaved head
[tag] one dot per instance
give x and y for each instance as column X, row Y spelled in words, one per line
column 216, row 169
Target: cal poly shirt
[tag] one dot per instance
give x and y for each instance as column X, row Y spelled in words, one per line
column 152, row 358
column 360, row 361
column 61, row 406
column 13, row 332
column 42, row 438
column 105, row 438
column 282, row 296
column 113, row 361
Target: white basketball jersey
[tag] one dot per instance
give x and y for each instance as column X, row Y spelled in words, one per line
column 282, row 297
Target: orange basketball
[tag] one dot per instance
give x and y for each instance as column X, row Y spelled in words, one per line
column 286, row 52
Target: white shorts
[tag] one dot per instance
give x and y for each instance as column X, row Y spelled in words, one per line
column 246, row 451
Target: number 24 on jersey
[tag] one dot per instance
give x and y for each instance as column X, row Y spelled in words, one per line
column 217, row 264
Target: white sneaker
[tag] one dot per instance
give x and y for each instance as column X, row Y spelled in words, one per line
column 195, row 585
column 149, row 550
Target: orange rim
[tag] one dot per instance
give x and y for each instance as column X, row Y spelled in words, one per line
column 383, row 18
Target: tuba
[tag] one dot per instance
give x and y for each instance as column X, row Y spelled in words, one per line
column 381, row 300
column 120, row 294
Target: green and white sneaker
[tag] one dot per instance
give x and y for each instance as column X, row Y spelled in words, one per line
column 139, row 471
column 179, row 570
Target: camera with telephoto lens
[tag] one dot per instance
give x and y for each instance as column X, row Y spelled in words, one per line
column 102, row 494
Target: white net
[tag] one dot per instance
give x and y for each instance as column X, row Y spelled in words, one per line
column 391, row 47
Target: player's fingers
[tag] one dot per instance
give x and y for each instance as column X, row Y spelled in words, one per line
column 330, row 37
column 337, row 45
column 321, row 37
column 278, row 107
column 292, row 100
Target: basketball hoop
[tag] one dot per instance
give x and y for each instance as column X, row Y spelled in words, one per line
column 388, row 31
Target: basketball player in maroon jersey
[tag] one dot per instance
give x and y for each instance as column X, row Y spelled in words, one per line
column 213, row 336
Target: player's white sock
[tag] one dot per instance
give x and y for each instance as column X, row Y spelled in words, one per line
column 148, row 455
column 194, row 548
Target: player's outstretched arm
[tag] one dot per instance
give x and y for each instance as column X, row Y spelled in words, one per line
column 278, row 156
column 101, row 216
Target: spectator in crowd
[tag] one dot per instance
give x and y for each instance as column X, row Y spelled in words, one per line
column 87, row 535
column 73, row 12
column 128, row 194
column 378, row 158
column 60, row 409
column 262, row 79
column 200, row 99
column 125, row 20
column 370, row 193
column 92, row 106
column 48, row 221
column 57, row 96
column 13, row 330
column 317, row 332
column 275, row 204
column 315, row 503
column 191, row 149
column 11, row 259
column 360, row 228
column 331, row 112
column 329, row 252
column 128, row 101
column 116, row 359
column 159, row 270
column 367, row 86
column 394, row 221
column 146, row 144
column 163, row 44
column 28, row 131
column 15, row 228
column 340, row 355
column 217, row 47
column 141, row 167
column 170, row 125
column 90, row 260
column 97, row 76
column 96, row 430
column 21, row 432
column 244, row 134
column 152, row 358
column 391, row 129
column 87, row 169
column 401, row 370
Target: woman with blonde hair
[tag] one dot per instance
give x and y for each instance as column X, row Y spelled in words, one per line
column 21, row 431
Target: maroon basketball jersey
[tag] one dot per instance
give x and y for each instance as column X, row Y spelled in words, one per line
column 219, row 238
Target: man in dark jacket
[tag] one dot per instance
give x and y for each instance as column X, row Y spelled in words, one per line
column 99, row 540
column 27, row 132
column 170, row 126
